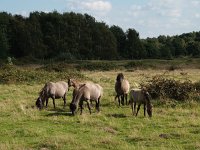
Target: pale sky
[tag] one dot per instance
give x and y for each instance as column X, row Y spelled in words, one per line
column 150, row 18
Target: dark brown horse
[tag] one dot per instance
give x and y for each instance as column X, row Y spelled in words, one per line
column 122, row 88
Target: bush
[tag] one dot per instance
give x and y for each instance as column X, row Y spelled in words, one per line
column 13, row 74
column 197, row 86
column 173, row 67
column 102, row 66
column 134, row 64
column 169, row 88
column 57, row 67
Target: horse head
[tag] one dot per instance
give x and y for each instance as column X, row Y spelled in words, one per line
column 39, row 103
column 73, row 108
column 148, row 98
column 120, row 77
column 70, row 82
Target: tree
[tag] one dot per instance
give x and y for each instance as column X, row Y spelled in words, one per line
column 4, row 46
column 193, row 48
column 37, row 48
column 165, row 52
column 162, row 39
column 134, row 45
column 19, row 37
column 104, row 46
column 120, row 39
column 77, row 36
column 152, row 48
column 4, row 43
column 179, row 46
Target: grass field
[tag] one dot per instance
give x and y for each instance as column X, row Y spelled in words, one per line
column 174, row 125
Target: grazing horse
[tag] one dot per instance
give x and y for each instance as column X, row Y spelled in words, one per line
column 122, row 88
column 86, row 92
column 140, row 96
column 76, row 84
column 54, row 91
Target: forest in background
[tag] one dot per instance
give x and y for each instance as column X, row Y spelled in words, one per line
column 74, row 36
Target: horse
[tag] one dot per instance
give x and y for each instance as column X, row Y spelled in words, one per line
column 74, row 83
column 140, row 96
column 121, row 88
column 52, row 90
column 86, row 92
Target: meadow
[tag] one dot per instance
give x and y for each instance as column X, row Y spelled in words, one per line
column 174, row 125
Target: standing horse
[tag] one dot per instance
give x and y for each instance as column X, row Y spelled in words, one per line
column 52, row 90
column 122, row 88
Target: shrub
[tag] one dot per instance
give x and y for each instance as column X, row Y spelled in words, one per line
column 197, row 86
column 169, row 88
column 12, row 74
column 134, row 64
column 102, row 66
column 173, row 67
column 57, row 67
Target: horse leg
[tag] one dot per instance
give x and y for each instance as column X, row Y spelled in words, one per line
column 88, row 104
column 119, row 100
column 117, row 97
column 81, row 106
column 64, row 99
column 54, row 102
column 97, row 104
column 144, row 109
column 134, row 107
column 126, row 99
column 138, row 109
column 47, row 100
column 122, row 101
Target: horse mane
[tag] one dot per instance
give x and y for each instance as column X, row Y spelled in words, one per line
column 81, row 85
column 78, row 95
column 147, row 96
column 42, row 91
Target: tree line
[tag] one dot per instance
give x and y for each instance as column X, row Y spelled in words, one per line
column 71, row 36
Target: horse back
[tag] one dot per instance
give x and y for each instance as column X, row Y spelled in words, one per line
column 122, row 87
column 57, row 89
column 137, row 95
column 91, row 91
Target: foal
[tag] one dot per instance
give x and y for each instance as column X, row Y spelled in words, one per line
column 140, row 96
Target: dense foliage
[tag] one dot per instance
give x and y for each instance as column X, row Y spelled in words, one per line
column 72, row 36
column 159, row 86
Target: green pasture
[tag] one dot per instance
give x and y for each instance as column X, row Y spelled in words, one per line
column 174, row 125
